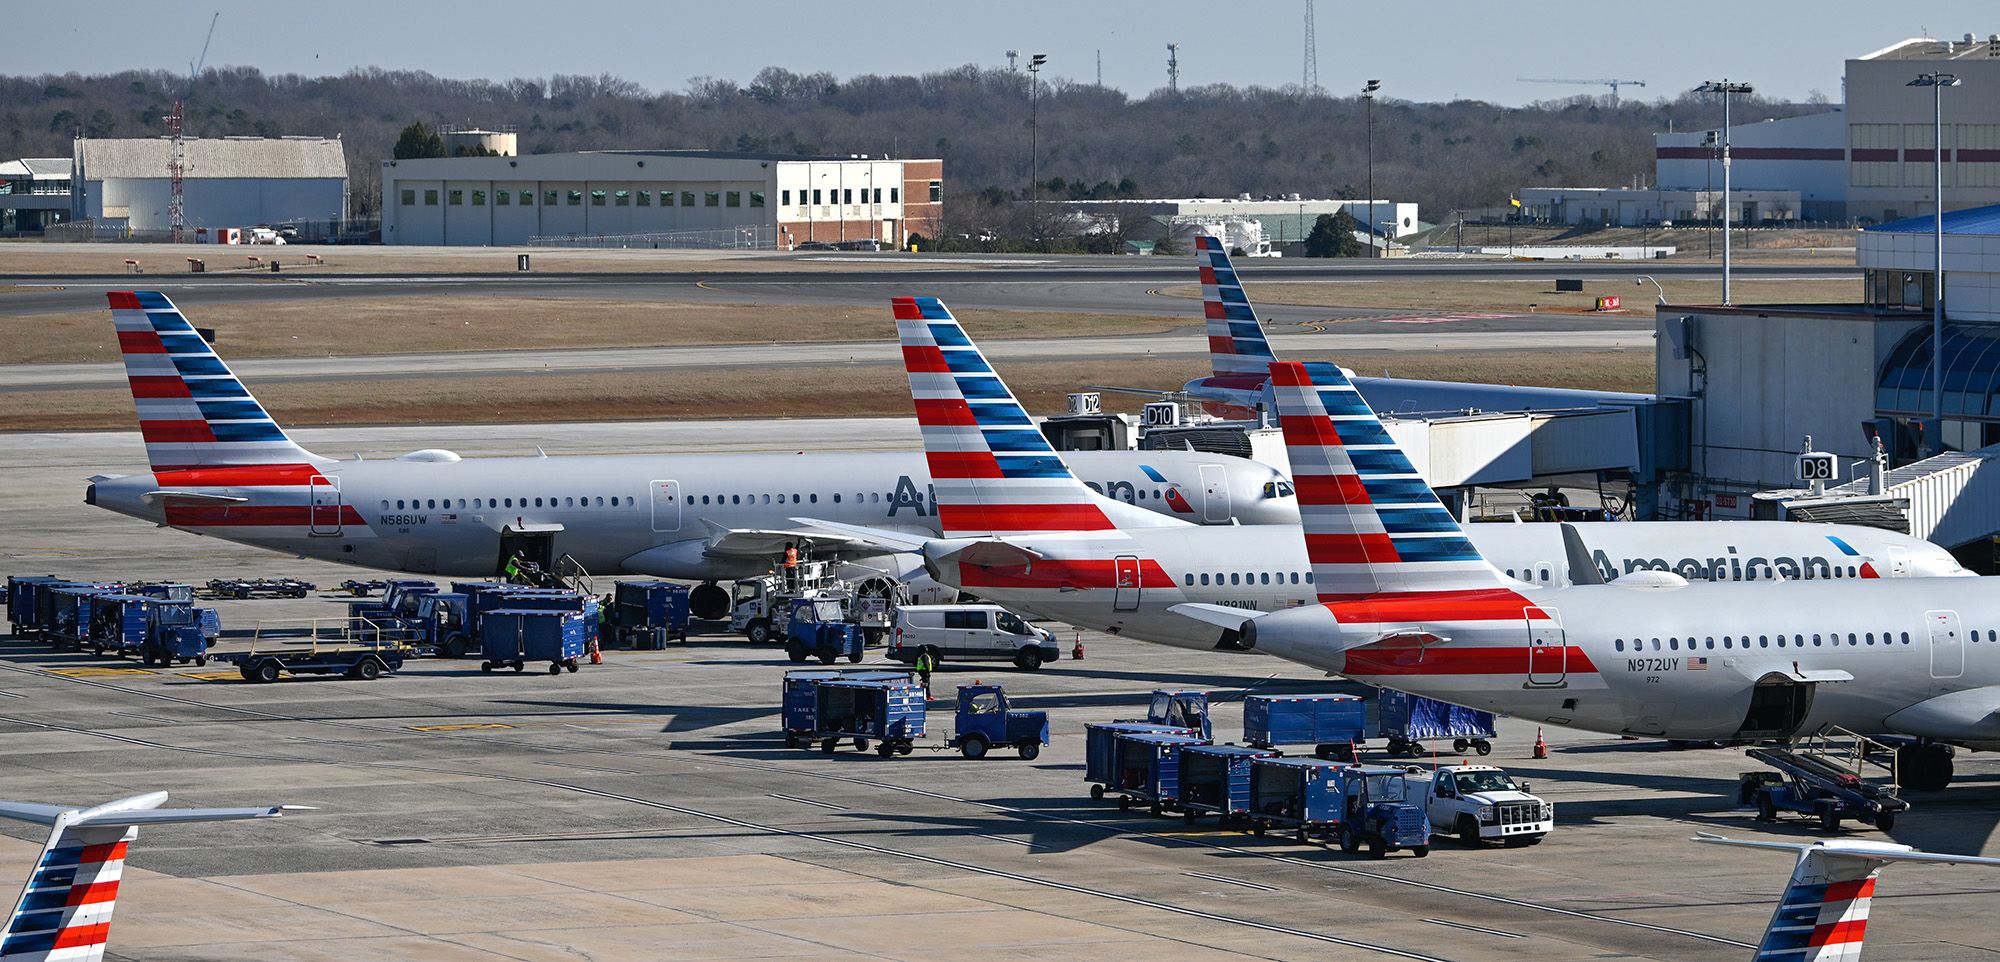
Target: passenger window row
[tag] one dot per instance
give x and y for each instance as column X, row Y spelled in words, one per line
column 1730, row 642
column 420, row 504
column 1248, row 578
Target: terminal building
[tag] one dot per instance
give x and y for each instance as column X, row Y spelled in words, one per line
column 124, row 184
column 680, row 198
column 34, row 194
column 1867, row 162
column 1760, row 379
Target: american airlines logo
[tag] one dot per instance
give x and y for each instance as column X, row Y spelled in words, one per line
column 923, row 503
column 1730, row 568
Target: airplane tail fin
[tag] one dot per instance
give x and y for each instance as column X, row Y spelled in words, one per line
column 995, row 473
column 1823, row 916
column 1236, row 343
column 193, row 412
column 64, row 913
column 1372, row 524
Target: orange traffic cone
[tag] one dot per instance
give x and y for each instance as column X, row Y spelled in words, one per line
column 596, row 655
column 1541, row 745
column 1076, row 653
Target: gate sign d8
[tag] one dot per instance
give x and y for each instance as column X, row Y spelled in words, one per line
column 1817, row 466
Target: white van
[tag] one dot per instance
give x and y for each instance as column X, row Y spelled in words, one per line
column 970, row 633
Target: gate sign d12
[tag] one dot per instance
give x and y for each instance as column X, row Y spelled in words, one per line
column 1817, row 466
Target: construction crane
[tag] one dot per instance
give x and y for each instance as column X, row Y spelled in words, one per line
column 1613, row 84
column 177, row 156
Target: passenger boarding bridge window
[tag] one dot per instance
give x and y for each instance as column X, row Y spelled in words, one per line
column 527, row 198
column 430, row 198
column 574, row 198
column 455, row 198
column 756, row 198
column 732, row 198
column 409, row 198
column 645, row 198
column 621, row 198
column 711, row 198
column 548, row 198
column 478, row 198
column 597, row 198
column 687, row 198
column 502, row 198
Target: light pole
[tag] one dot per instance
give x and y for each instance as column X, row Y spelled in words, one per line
column 1708, row 194
column 1937, row 82
column 1034, row 137
column 1725, row 88
column 1368, row 94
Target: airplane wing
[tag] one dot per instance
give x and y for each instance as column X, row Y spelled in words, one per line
column 766, row 542
column 1221, row 616
column 882, row 538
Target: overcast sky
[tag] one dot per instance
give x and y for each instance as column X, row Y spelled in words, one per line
column 1436, row 50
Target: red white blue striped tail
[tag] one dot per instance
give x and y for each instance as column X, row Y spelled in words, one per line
column 193, row 412
column 1824, row 914
column 1236, row 344
column 993, row 470
column 1372, row 525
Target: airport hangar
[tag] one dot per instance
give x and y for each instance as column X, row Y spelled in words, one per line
column 774, row 200
column 124, row 183
column 1867, row 162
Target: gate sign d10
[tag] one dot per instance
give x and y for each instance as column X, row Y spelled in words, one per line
column 1162, row 414
column 1817, row 466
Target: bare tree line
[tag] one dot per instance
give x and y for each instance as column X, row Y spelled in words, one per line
column 1213, row 141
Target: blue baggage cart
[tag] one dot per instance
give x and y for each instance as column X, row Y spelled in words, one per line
column 67, row 621
column 818, row 627
column 890, row 713
column 647, row 613
column 121, row 621
column 512, row 637
column 1332, row 724
column 1215, row 780
column 365, row 662
column 1099, row 744
column 986, row 720
column 1148, row 768
column 1410, row 720
column 1375, row 814
column 21, row 600
column 1299, row 795
column 801, row 701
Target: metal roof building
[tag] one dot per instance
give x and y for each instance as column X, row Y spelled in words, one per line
column 230, row 181
column 34, row 193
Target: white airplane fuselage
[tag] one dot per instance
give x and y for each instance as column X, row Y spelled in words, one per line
column 636, row 514
column 1080, row 580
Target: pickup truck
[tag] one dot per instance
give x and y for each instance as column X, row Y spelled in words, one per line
column 1481, row 803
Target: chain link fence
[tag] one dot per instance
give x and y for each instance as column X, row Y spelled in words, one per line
column 743, row 238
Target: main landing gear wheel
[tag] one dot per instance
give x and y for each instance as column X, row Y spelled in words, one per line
column 1924, row 768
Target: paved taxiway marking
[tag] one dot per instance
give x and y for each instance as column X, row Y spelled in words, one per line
column 733, row 822
column 463, row 727
column 1024, row 843
column 98, row 672
column 1120, row 830
column 210, row 675
column 1230, row 881
column 11, row 694
column 1474, row 928
column 806, row 801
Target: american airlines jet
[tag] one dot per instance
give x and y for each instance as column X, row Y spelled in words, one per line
column 221, row 466
column 1082, row 559
column 1402, row 599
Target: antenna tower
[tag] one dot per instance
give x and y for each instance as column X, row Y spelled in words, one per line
column 1174, row 67
column 1310, row 81
column 177, row 154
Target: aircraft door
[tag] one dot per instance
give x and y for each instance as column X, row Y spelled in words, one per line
column 666, row 505
column 1947, row 644
column 1548, row 649
column 323, row 517
column 1899, row 562
column 1125, row 574
column 1214, row 494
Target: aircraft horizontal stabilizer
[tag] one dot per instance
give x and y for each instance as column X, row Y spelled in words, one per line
column 991, row 553
column 189, row 497
column 1852, row 848
column 1221, row 616
column 137, row 810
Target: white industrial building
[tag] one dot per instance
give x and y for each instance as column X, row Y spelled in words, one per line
column 649, row 196
column 1636, row 207
column 34, row 193
column 229, row 182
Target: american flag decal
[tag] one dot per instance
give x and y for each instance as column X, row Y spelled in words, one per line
column 447, row 519
column 1697, row 663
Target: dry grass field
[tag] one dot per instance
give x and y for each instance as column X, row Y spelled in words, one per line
column 1503, row 294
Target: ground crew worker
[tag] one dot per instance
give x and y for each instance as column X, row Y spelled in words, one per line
column 791, row 566
column 924, row 665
